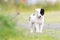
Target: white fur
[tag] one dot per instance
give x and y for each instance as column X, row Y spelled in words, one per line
column 36, row 22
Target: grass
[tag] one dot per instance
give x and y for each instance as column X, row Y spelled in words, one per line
column 23, row 35
column 46, row 35
column 26, row 8
column 6, row 27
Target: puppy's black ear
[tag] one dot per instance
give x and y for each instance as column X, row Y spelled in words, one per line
column 42, row 12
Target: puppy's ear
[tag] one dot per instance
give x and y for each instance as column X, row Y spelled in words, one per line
column 42, row 12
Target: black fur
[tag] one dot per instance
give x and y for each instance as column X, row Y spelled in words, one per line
column 42, row 12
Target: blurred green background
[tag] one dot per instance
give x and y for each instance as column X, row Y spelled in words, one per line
column 8, row 10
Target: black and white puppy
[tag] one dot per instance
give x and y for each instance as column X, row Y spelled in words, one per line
column 37, row 20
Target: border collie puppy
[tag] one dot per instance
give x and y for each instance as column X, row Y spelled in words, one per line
column 37, row 21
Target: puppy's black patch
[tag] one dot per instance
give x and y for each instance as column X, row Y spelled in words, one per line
column 42, row 12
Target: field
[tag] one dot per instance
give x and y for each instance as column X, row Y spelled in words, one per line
column 10, row 31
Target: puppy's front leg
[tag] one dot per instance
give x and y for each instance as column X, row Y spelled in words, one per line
column 37, row 28
column 41, row 27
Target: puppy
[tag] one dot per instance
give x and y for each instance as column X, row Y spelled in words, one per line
column 37, row 21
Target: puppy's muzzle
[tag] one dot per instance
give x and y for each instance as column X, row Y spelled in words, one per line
column 39, row 16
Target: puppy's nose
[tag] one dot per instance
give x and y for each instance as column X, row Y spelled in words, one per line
column 39, row 17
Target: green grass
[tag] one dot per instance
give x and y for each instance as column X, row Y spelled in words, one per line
column 6, row 27
column 46, row 35
column 24, row 35
column 26, row 8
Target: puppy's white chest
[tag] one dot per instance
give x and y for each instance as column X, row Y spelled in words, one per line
column 35, row 20
column 39, row 20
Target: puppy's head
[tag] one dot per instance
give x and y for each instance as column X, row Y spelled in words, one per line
column 40, row 12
